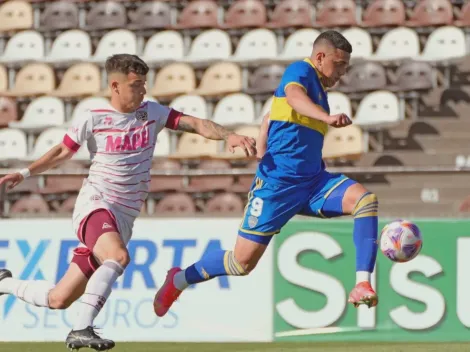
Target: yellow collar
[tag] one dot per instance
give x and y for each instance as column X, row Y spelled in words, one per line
column 307, row 60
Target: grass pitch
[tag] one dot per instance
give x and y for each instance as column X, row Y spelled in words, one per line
column 251, row 347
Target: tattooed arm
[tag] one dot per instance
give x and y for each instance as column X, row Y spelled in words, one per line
column 212, row 130
column 205, row 128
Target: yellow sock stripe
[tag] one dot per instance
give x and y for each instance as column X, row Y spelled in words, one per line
column 226, row 267
column 234, row 267
column 367, row 205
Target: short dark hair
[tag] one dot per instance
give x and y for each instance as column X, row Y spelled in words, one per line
column 126, row 63
column 336, row 39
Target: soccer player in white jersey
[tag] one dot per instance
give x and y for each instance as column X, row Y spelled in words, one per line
column 121, row 142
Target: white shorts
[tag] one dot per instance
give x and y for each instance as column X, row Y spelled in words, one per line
column 90, row 199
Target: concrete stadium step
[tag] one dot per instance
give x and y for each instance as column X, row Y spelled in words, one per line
column 444, row 144
column 412, row 158
column 419, row 194
column 431, row 126
column 429, row 210
column 448, row 180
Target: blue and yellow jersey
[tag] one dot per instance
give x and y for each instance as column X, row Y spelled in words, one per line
column 295, row 142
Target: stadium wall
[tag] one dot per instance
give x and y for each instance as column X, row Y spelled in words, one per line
column 298, row 292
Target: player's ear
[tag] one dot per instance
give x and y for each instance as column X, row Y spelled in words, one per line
column 114, row 86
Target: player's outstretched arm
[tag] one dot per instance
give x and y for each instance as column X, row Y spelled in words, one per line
column 300, row 102
column 262, row 141
column 212, row 130
column 54, row 157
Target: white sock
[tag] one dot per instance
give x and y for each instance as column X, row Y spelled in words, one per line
column 97, row 291
column 35, row 292
column 362, row 276
column 180, row 281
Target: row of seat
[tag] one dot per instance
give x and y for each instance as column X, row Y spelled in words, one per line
column 379, row 107
column 84, row 79
column 436, row 196
column 400, row 43
column 60, row 15
column 14, row 144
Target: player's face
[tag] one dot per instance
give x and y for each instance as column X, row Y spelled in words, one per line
column 332, row 64
column 131, row 90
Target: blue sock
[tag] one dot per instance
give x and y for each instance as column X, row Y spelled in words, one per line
column 365, row 232
column 213, row 264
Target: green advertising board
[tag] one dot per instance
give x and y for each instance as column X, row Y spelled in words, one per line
column 426, row 299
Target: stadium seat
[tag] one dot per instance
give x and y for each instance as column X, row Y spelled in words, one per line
column 164, row 46
column 68, row 205
column 150, row 15
column 193, row 105
column 162, row 147
column 89, row 103
column 8, row 111
column 71, row 45
column 41, row 113
column 176, row 204
column 15, row 16
column 195, row 146
column 379, row 108
column 245, row 14
column 118, row 41
column 13, row 144
column 264, row 110
column 413, row 76
column 361, row 42
column 265, row 79
column 224, row 204
column 344, row 142
column 398, row 44
column 198, row 14
column 384, row 13
column 219, row 79
column 24, row 46
column 32, row 80
column 256, row 44
column 174, row 79
column 445, row 43
column 291, row 13
column 106, row 15
column 46, row 140
column 79, row 80
column 56, row 184
column 364, row 76
column 210, row 45
column 234, row 109
column 3, row 79
column 299, row 45
column 166, row 183
column 339, row 104
column 431, row 13
column 59, row 15
column 336, row 13
column 208, row 183
column 463, row 18
column 33, row 204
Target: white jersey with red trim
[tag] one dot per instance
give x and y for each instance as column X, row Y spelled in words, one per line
column 121, row 148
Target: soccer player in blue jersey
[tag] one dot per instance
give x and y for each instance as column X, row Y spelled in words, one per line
column 291, row 179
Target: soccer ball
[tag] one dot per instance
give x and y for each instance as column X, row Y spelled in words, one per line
column 401, row 241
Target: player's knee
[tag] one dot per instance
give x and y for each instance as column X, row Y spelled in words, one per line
column 59, row 300
column 247, row 264
column 120, row 256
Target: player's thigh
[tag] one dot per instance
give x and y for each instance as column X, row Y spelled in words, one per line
column 327, row 201
column 100, row 233
column 70, row 288
column 268, row 209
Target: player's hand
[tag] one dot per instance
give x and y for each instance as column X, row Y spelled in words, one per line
column 465, row 206
column 339, row 120
column 11, row 180
column 248, row 144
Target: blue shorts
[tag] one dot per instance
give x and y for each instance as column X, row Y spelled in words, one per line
column 270, row 207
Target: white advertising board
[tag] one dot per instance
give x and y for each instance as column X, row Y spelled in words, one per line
column 224, row 309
